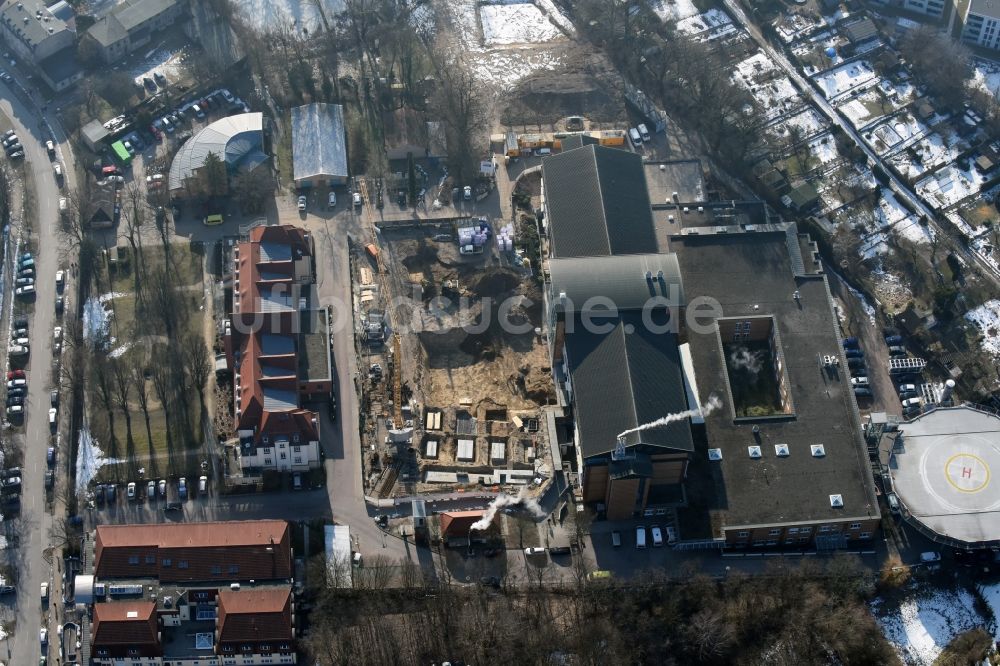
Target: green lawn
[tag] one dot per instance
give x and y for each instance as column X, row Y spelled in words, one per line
column 135, row 325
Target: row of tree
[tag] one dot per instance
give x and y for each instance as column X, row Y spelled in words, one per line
column 811, row 614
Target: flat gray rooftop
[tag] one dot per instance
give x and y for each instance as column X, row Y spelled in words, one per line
column 684, row 177
column 942, row 469
column 753, row 274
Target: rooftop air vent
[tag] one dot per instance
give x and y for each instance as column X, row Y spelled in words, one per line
column 715, row 454
column 670, row 218
column 836, row 501
column 754, row 451
column 817, row 450
column 663, row 167
column 701, row 209
column 686, row 209
column 781, row 450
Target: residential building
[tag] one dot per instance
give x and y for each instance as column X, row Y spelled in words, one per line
column 278, row 346
column 724, row 470
column 981, row 23
column 236, row 140
column 44, row 37
column 193, row 594
column 32, row 31
column 934, row 8
column 133, row 24
column 319, row 145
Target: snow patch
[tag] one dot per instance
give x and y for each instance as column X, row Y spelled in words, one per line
column 987, row 319
column 923, row 624
column 674, row 10
column 846, row 78
column 710, row 25
column 521, row 23
column 89, row 460
column 96, row 323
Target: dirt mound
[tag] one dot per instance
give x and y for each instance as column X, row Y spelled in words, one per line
column 418, row 256
column 496, row 281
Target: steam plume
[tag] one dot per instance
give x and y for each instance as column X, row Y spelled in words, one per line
column 713, row 404
column 505, row 500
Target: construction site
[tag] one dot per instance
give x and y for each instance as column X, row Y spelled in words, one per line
column 449, row 326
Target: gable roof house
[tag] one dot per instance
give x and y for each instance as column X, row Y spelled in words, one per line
column 132, row 24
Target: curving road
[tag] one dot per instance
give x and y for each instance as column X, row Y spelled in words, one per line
column 896, row 184
column 33, row 128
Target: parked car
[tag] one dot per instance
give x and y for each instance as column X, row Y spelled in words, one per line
column 854, row 353
column 16, row 155
column 54, row 398
column 15, row 374
column 467, row 192
column 151, row 490
column 331, row 200
column 130, row 491
column 862, row 391
column 897, row 351
column 159, row 78
column 53, row 418
column 894, row 339
column 907, row 388
column 537, row 550
column 302, row 202
column 15, row 400
column 60, row 280
column 50, row 456
column 850, row 343
column 173, row 506
column 15, row 411
column 911, row 402
column 17, row 381
column 859, row 381
column 109, row 493
column 856, row 363
column 182, row 491
column 356, row 198
column 24, row 281
column 50, row 147
column 930, row 556
column 163, row 487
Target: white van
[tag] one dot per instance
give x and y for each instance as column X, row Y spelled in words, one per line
column 643, row 132
column 542, row 152
column 911, row 402
column 657, row 536
column 640, row 537
column 633, row 134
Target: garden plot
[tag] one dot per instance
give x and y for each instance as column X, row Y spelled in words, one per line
column 503, row 69
column 852, row 77
column 794, row 27
column 674, row 10
column 891, row 213
column 824, row 149
column 710, row 25
column 986, row 75
column 773, row 91
column 844, row 185
column 927, row 154
column 923, row 624
column 162, row 61
column 807, row 122
column 521, row 23
column 895, row 133
column 949, row 185
column 987, row 319
column 875, row 103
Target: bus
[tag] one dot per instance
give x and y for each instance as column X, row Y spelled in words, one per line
column 213, row 220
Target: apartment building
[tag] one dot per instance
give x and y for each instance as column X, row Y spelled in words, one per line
column 278, row 345
column 43, row 36
column 133, row 24
column 981, row 23
column 196, row 594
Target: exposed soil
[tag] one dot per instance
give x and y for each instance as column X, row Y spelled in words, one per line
column 580, row 89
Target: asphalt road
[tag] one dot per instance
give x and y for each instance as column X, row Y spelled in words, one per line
column 897, row 185
column 34, row 520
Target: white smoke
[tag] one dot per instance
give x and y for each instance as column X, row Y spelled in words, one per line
column 742, row 358
column 505, row 500
column 713, row 404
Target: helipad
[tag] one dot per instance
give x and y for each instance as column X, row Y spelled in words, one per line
column 944, row 471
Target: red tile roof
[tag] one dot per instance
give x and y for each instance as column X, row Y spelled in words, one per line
column 260, row 549
column 126, row 624
column 459, row 523
column 252, row 378
column 256, row 615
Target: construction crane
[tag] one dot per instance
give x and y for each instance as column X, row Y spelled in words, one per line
column 397, row 389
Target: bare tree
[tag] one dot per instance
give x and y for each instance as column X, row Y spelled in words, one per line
column 459, row 104
column 162, row 387
column 137, row 370
column 122, row 386
column 103, row 374
column 197, row 362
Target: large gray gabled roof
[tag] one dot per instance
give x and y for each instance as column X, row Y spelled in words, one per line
column 630, row 282
column 623, row 378
column 597, row 203
column 318, row 141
